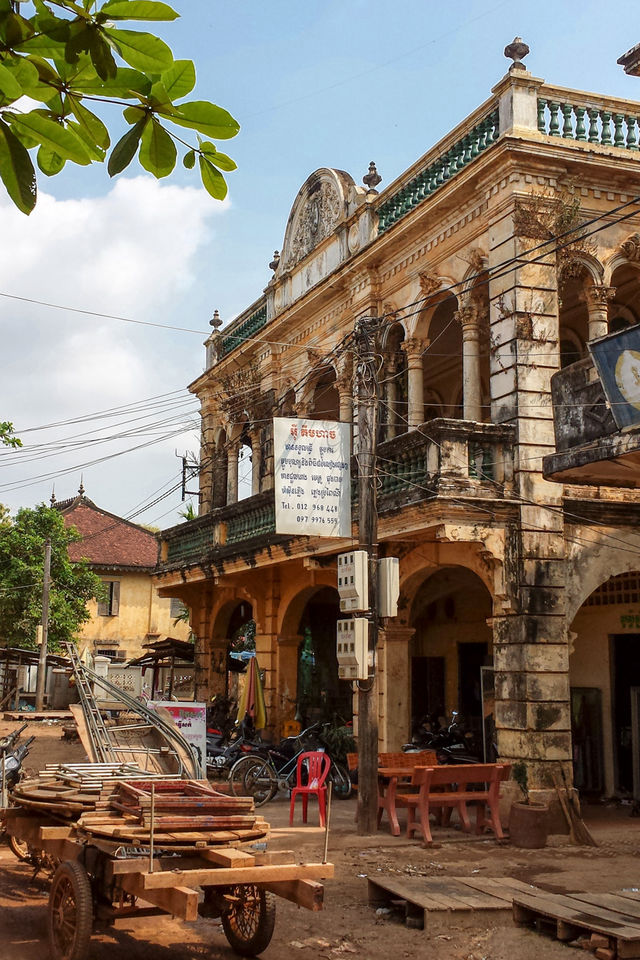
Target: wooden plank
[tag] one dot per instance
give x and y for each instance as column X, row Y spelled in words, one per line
column 417, row 894
column 178, row 900
column 274, row 857
column 460, row 893
column 557, row 909
column 222, row 876
column 306, row 893
column 230, row 857
column 630, row 908
column 490, row 886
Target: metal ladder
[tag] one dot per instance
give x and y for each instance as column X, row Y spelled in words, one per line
column 96, row 727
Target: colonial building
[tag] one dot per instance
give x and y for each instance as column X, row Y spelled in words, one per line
column 493, row 259
column 124, row 555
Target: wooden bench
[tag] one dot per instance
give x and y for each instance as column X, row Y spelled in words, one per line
column 446, row 787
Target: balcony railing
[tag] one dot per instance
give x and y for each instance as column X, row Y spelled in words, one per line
column 587, row 117
column 242, row 329
column 441, row 457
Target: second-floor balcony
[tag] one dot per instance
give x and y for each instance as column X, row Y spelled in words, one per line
column 439, row 459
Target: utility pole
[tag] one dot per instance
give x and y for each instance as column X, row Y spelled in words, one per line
column 42, row 661
column 367, row 382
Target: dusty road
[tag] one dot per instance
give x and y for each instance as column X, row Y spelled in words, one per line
column 347, row 927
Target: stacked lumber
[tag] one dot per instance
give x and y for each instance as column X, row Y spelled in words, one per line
column 181, row 813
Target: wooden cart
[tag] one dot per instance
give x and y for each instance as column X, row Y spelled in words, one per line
column 98, row 880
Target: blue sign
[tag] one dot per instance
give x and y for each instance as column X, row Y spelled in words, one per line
column 617, row 360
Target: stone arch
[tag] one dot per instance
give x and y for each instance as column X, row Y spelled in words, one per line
column 594, row 269
column 588, row 566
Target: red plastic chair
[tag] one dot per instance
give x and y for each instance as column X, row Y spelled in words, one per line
column 317, row 766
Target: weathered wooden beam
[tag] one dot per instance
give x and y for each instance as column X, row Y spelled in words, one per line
column 306, row 893
column 221, row 877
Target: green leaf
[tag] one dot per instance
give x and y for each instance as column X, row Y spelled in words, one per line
column 133, row 114
column 16, row 170
column 212, row 180
column 159, row 98
column 9, row 84
column 189, row 159
column 157, row 150
column 93, row 125
column 126, row 148
column 53, row 135
column 139, row 10
column 205, row 117
column 125, row 84
column 95, row 152
column 220, row 160
column 101, row 57
column 50, row 162
column 180, row 79
column 142, row 51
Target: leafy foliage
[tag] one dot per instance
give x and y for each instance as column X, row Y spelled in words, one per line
column 57, row 57
column 21, row 578
column 520, row 775
column 7, row 437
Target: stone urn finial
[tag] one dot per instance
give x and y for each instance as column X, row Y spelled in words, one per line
column 515, row 51
column 275, row 263
column 215, row 321
column 372, row 179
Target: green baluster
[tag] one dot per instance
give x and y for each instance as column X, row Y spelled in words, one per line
column 581, row 130
column 618, row 133
column 554, row 126
column 467, row 149
column 605, row 116
column 567, row 126
column 632, row 141
column 495, row 123
column 542, row 120
column 458, row 154
column 430, row 179
column 594, row 133
column 442, row 169
column 474, row 136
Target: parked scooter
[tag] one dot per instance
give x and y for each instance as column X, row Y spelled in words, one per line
column 11, row 760
column 451, row 742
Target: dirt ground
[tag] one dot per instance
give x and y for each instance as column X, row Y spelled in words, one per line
column 347, row 926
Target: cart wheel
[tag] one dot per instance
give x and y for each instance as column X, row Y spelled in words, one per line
column 253, row 777
column 19, row 848
column 249, row 921
column 70, row 912
column 339, row 777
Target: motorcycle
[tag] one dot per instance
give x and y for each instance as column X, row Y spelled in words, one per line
column 11, row 760
column 451, row 742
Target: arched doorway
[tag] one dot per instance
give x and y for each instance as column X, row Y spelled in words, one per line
column 451, row 646
column 320, row 694
column 604, row 671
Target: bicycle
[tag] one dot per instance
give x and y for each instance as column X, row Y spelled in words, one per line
column 261, row 774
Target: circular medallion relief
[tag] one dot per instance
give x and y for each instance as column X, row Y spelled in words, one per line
column 354, row 238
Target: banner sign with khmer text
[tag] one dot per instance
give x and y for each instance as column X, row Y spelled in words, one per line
column 312, row 477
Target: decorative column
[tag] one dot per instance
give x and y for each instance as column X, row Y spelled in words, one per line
column 414, row 350
column 232, row 472
column 469, row 320
column 598, row 297
column 256, row 461
column 394, row 685
column 392, row 367
column 287, row 673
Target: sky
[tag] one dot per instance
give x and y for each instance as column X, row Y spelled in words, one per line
column 313, row 84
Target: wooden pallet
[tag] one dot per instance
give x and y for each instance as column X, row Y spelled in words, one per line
column 426, row 899
column 613, row 915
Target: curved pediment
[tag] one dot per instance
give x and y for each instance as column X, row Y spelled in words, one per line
column 321, row 204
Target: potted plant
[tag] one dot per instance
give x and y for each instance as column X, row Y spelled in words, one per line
column 528, row 821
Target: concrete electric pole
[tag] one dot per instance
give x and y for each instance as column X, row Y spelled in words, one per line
column 367, row 392
column 42, row 661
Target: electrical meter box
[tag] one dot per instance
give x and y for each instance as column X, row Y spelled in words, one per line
column 388, row 586
column 352, row 648
column 353, row 581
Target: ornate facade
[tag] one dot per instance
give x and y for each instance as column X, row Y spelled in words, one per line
column 494, row 259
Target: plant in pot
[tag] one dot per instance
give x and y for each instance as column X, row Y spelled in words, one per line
column 528, row 821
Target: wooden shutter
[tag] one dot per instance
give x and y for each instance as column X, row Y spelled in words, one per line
column 104, row 605
column 115, row 598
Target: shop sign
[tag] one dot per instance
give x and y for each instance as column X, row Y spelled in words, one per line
column 191, row 720
column 312, row 477
column 617, row 359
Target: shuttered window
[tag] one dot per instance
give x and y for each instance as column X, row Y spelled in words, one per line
column 110, row 606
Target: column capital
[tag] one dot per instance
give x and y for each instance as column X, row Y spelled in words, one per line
column 414, row 347
column 468, row 317
column 599, row 295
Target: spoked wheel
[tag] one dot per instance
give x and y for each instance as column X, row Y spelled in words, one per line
column 339, row 777
column 253, row 777
column 70, row 917
column 249, row 921
column 19, row 848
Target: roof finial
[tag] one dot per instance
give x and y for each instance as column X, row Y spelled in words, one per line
column 53, row 495
column 81, row 487
column 275, row 263
column 372, row 179
column 515, row 51
column 215, row 321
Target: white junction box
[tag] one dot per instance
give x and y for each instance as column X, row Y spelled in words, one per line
column 353, row 581
column 352, row 648
column 388, row 586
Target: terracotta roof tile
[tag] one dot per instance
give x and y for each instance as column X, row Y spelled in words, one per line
column 108, row 541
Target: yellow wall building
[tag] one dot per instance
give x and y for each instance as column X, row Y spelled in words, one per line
column 124, row 556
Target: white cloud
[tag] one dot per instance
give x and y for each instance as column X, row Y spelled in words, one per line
column 134, row 253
